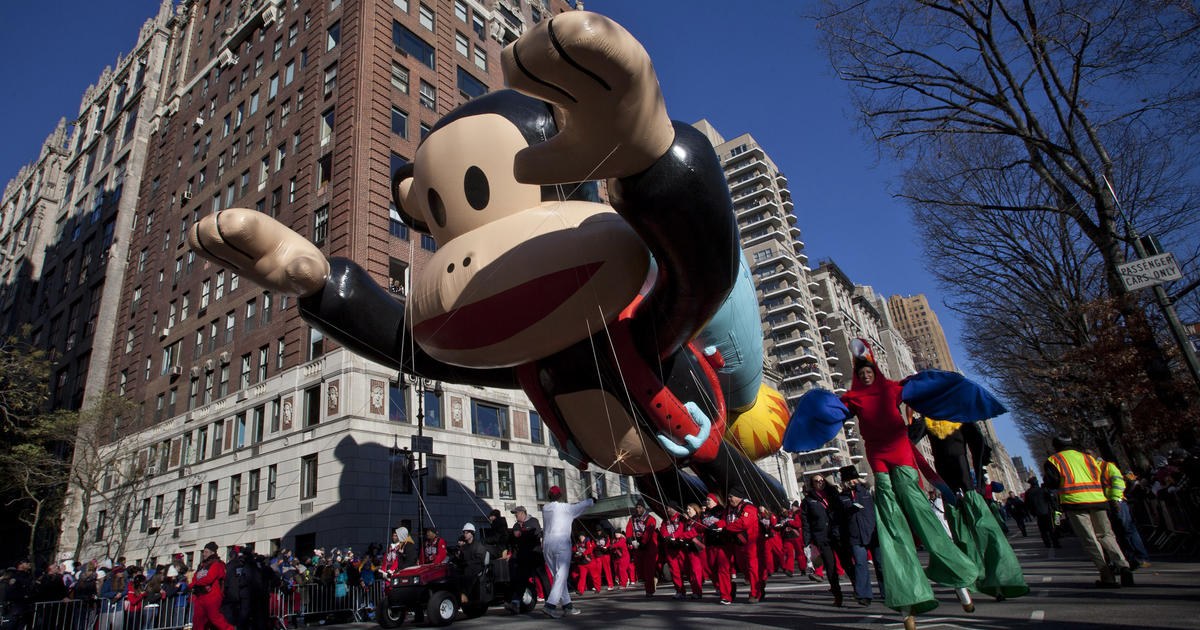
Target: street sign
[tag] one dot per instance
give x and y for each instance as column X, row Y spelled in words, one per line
column 422, row 444
column 1149, row 271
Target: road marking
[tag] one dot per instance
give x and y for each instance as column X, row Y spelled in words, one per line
column 1037, row 615
column 1046, row 578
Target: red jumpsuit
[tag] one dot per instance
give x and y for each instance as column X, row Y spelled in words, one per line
column 770, row 549
column 742, row 521
column 583, row 555
column 604, row 561
column 625, row 574
column 696, row 558
column 677, row 533
column 793, row 541
column 716, row 554
column 433, row 552
column 641, row 529
column 209, row 578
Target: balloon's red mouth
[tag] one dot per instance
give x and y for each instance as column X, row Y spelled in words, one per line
column 499, row 317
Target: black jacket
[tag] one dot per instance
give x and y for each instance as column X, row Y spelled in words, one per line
column 823, row 520
column 859, row 507
column 957, row 454
column 530, row 541
column 1037, row 501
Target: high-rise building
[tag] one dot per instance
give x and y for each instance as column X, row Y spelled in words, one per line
column 919, row 325
column 799, row 352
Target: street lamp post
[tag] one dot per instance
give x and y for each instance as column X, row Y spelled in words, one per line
column 421, row 385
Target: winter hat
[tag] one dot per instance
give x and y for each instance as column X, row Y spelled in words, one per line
column 469, row 527
column 402, row 532
column 211, row 546
column 554, row 493
column 714, row 498
column 172, row 571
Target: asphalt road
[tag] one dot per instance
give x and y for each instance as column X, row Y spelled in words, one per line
column 1062, row 597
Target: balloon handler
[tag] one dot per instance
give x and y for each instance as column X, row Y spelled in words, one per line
column 601, row 314
column 901, row 508
column 958, row 448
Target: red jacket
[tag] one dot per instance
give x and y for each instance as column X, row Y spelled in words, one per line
column 583, row 552
column 133, row 598
column 209, row 580
column 743, row 521
column 678, row 528
column 643, row 530
column 620, row 548
column 433, row 552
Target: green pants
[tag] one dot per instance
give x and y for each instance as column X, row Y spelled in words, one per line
column 979, row 536
column 899, row 505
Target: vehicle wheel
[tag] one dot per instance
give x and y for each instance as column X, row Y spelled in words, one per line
column 442, row 607
column 389, row 616
column 474, row 610
column 528, row 600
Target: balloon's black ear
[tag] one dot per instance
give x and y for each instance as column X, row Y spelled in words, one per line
column 401, row 181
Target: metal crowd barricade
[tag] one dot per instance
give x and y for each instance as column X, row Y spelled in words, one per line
column 314, row 600
column 288, row 606
column 171, row 613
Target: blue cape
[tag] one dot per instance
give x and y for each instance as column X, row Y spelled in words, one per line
column 949, row 396
column 818, row 417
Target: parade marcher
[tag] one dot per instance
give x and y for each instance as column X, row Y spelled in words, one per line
column 1016, row 509
column 960, row 454
column 793, row 542
column 717, row 553
column 604, row 558
column 469, row 560
column 643, row 539
column 1120, row 515
column 676, row 534
column 696, row 558
column 434, row 549
column 622, row 560
column 208, row 586
column 741, row 520
column 1041, row 506
column 1076, row 478
column 770, row 551
column 557, row 548
column 824, row 519
column 859, row 507
column 526, row 559
column 899, row 501
column 583, row 556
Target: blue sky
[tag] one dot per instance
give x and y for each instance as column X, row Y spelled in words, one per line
column 746, row 67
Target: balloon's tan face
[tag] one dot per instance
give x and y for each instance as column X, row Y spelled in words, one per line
column 514, row 279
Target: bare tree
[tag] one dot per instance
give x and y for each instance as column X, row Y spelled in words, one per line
column 1051, row 98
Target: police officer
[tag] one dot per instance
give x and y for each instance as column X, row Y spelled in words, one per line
column 1077, row 478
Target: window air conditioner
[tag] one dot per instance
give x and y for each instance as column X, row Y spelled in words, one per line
column 225, row 358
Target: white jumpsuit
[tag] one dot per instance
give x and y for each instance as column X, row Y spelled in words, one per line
column 556, row 546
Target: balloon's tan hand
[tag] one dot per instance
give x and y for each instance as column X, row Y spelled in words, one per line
column 262, row 250
column 614, row 122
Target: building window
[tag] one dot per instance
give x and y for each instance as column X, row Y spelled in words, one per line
column 327, row 120
column 312, row 406
column 460, row 10
column 396, row 407
column 264, row 357
column 601, row 485
column 275, row 416
column 506, row 480
column 483, row 478
column 469, row 86
column 180, row 500
column 585, row 484
column 223, row 384
column 252, row 497
column 211, row 511
column 425, row 16
column 280, row 350
column 194, row 512
column 428, row 96
column 330, row 80
column 320, row 226
column 481, row 59
column 308, row 477
column 400, row 122
column 462, row 45
column 272, row 481
column 397, row 277
column 490, row 420
column 333, row 36
column 436, row 481
column 433, row 410
column 235, row 494
column 535, row 428
column 244, row 378
column 411, row 44
column 400, row 77
column 623, row 482
column 541, row 483
column 324, row 172
column 316, row 344
column 427, row 243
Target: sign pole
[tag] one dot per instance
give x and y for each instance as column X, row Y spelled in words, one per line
column 1160, row 295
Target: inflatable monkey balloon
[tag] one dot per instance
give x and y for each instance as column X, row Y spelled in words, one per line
column 589, row 308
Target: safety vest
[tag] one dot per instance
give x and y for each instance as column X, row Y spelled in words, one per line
column 1114, row 483
column 1080, row 478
